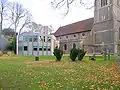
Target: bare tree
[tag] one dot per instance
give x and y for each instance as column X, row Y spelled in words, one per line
column 67, row 3
column 19, row 16
column 3, row 5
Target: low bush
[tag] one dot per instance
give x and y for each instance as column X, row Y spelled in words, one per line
column 5, row 55
column 12, row 45
column 4, row 52
column 1, row 53
column 58, row 53
column 81, row 54
column 9, row 53
column 73, row 53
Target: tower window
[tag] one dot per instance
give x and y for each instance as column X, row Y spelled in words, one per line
column 104, row 3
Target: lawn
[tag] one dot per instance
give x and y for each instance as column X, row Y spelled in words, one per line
column 23, row 73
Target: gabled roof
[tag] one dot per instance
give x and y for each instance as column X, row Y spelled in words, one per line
column 77, row 27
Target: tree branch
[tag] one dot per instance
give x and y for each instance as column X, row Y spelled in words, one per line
column 67, row 4
column 58, row 4
column 18, row 16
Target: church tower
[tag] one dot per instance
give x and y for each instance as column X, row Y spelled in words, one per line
column 106, row 27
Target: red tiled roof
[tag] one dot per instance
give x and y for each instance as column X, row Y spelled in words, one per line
column 77, row 27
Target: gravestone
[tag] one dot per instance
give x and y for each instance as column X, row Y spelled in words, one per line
column 108, row 53
column 105, row 52
column 36, row 58
column 118, row 55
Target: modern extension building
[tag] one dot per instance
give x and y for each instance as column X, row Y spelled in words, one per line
column 35, row 43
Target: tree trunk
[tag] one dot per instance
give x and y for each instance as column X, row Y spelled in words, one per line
column 1, row 22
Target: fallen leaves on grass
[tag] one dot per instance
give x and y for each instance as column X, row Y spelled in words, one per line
column 62, row 75
column 109, row 76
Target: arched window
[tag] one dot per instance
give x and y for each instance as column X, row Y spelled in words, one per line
column 65, row 47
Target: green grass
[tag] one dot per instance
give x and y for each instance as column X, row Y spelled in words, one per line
column 23, row 73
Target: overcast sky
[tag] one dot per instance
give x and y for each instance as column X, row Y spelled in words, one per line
column 44, row 14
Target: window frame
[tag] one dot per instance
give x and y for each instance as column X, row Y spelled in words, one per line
column 25, row 48
column 30, row 39
column 26, row 38
column 35, row 48
column 35, row 39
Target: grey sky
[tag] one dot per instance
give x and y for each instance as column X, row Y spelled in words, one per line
column 44, row 14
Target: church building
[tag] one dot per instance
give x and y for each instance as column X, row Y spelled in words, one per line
column 97, row 33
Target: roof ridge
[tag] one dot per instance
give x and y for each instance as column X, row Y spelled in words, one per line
column 78, row 22
column 79, row 26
